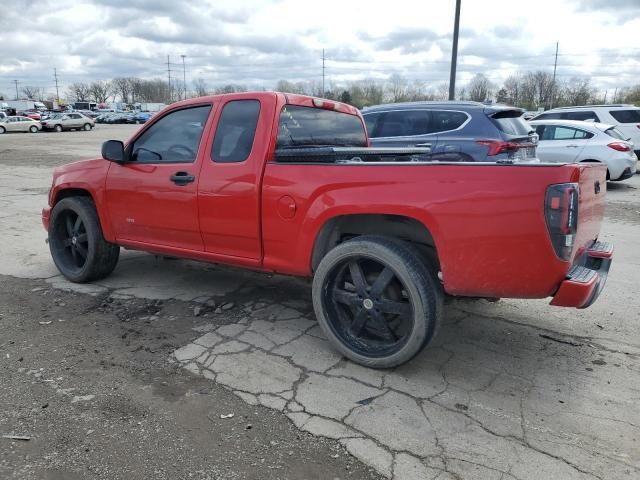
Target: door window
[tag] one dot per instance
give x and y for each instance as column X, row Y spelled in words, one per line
column 235, row 132
column 444, row 121
column 626, row 116
column 552, row 132
column 174, row 138
column 585, row 116
column 403, row 123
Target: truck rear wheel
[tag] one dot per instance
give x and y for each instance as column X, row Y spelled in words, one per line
column 77, row 245
column 376, row 301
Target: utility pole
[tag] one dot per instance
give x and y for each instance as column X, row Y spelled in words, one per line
column 322, row 74
column 16, row 82
column 169, row 75
column 553, row 84
column 184, row 77
column 55, row 75
column 454, row 53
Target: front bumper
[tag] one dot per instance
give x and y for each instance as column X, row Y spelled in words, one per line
column 46, row 215
column 586, row 278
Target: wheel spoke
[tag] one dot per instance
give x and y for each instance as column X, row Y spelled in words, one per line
column 346, row 298
column 81, row 249
column 359, row 322
column 82, row 238
column 67, row 242
column 381, row 282
column 76, row 226
column 357, row 276
column 381, row 322
column 69, row 225
column 74, row 253
column 395, row 307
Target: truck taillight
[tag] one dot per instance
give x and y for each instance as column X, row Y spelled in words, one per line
column 561, row 214
column 620, row 146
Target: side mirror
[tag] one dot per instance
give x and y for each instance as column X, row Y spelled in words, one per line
column 113, row 150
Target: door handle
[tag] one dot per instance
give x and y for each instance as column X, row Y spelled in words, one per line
column 572, row 146
column 426, row 145
column 182, row 178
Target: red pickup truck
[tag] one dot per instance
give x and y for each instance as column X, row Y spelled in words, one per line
column 286, row 183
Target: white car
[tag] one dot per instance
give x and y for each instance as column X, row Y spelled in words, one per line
column 572, row 141
column 626, row 118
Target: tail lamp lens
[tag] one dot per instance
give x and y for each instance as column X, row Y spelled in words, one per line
column 620, row 146
column 561, row 214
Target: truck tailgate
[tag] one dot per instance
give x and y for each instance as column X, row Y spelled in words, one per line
column 592, row 178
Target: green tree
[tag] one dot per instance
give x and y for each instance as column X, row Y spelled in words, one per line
column 345, row 97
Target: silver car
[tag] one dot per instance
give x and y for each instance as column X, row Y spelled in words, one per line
column 19, row 124
column 68, row 121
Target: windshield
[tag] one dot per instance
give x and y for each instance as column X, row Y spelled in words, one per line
column 307, row 126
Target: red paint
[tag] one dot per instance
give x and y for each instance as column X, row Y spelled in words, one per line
column 487, row 220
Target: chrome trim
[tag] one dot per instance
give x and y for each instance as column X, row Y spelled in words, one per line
column 364, row 114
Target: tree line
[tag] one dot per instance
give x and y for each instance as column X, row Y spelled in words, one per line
column 530, row 90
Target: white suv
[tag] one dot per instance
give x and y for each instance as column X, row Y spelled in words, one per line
column 626, row 118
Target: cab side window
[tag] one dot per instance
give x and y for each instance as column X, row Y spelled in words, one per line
column 236, row 131
column 174, row 138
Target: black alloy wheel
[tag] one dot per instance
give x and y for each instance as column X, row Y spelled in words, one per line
column 72, row 235
column 377, row 300
column 77, row 243
column 369, row 306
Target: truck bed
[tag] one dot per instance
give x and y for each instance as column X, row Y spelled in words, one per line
column 486, row 220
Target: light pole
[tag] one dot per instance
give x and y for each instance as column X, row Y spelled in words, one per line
column 454, row 53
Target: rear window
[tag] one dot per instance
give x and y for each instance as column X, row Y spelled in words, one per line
column 511, row 123
column 301, row 126
column 626, row 116
column 615, row 133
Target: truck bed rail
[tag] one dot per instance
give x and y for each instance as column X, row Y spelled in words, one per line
column 356, row 155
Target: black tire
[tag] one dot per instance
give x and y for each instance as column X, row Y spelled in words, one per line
column 86, row 127
column 33, row 129
column 2, row 130
column 77, row 245
column 58, row 128
column 390, row 314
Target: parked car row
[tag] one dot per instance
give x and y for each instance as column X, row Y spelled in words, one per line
column 475, row 132
column 56, row 122
column 124, row 117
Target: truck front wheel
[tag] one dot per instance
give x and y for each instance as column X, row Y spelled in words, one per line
column 77, row 245
column 376, row 301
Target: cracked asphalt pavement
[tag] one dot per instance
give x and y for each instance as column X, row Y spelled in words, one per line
column 509, row 390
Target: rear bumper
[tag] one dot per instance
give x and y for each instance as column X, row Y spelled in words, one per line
column 586, row 278
column 627, row 173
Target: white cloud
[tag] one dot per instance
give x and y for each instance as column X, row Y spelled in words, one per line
column 258, row 42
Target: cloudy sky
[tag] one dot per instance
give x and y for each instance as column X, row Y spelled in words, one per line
column 257, row 42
